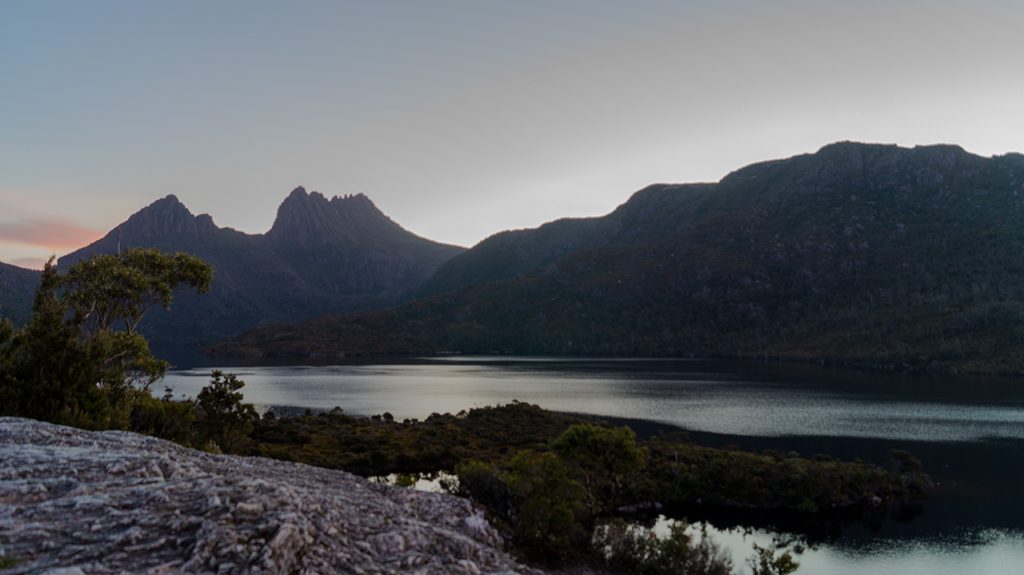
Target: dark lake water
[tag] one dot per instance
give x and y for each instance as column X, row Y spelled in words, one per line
column 968, row 432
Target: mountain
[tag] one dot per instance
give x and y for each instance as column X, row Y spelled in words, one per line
column 17, row 288
column 321, row 256
column 859, row 253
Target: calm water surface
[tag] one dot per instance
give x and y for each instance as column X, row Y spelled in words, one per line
column 969, row 432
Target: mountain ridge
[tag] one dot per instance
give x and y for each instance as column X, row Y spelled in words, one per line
column 316, row 259
column 17, row 289
column 856, row 253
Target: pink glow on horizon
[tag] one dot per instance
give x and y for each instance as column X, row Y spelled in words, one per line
column 29, row 263
column 51, row 233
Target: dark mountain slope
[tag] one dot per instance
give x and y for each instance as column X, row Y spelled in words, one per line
column 321, row 256
column 345, row 246
column 17, row 288
column 509, row 254
column 858, row 253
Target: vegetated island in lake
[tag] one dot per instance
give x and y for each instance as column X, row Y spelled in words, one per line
column 859, row 254
column 551, row 478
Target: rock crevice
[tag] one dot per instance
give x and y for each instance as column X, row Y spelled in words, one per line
column 116, row 502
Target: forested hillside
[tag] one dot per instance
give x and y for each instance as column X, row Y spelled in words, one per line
column 859, row 253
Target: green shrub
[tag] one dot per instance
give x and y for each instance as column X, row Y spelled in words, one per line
column 79, row 360
column 766, row 561
column 484, row 483
column 223, row 418
column 605, row 461
column 164, row 418
column 634, row 549
column 547, row 500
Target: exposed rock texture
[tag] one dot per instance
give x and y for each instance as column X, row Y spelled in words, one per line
column 116, row 502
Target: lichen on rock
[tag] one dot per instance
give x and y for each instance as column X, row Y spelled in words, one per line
column 115, row 502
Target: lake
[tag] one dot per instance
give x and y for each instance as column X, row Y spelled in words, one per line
column 968, row 432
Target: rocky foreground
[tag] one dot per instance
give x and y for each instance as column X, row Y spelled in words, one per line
column 74, row 501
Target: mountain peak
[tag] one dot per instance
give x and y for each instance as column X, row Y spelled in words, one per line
column 166, row 216
column 310, row 220
column 846, row 146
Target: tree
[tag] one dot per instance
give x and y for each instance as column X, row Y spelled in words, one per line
column 606, row 460
column 225, row 420
column 107, row 292
column 547, row 502
column 7, row 382
column 79, row 360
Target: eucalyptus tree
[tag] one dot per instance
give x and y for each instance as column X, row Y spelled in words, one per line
column 80, row 359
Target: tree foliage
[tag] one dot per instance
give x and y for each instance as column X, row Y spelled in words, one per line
column 552, row 498
column 630, row 548
column 606, row 460
column 766, row 561
column 80, row 360
column 547, row 500
column 224, row 418
column 107, row 292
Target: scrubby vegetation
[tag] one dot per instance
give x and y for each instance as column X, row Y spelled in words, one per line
column 629, row 548
column 80, row 360
column 557, row 483
column 554, row 480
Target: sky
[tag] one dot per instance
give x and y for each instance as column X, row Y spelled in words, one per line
column 460, row 119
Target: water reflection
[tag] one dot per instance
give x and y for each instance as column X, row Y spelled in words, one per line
column 735, row 399
column 987, row 551
column 968, row 432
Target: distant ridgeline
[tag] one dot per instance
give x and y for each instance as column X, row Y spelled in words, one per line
column 321, row 256
column 865, row 254
column 17, row 287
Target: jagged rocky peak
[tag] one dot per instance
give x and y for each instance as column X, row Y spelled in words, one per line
column 166, row 216
column 309, row 219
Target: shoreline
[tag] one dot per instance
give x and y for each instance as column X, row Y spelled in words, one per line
column 957, row 502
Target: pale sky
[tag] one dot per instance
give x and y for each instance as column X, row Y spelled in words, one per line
column 460, row 119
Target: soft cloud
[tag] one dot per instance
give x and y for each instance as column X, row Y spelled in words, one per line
column 50, row 233
column 30, row 263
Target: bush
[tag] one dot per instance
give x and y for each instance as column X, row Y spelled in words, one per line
column 547, row 501
column 537, row 497
column 604, row 460
column 484, row 483
column 164, row 418
column 630, row 548
column 223, row 418
column 766, row 562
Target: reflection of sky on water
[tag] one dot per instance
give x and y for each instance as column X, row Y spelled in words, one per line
column 978, row 552
column 762, row 401
column 724, row 401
